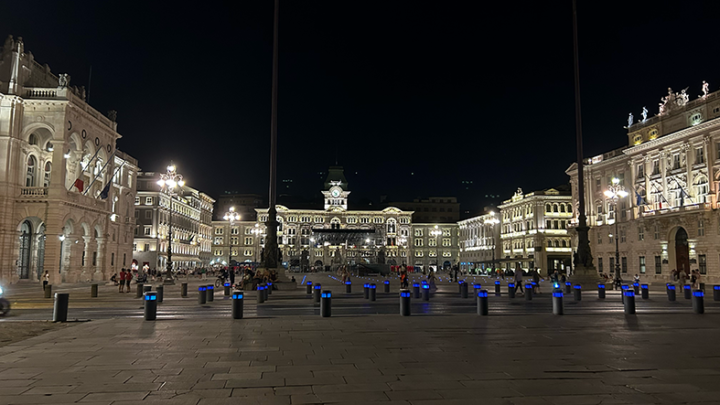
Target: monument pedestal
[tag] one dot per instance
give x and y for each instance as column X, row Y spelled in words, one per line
column 587, row 277
column 283, row 283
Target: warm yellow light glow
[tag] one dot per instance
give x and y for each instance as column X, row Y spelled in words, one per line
column 171, row 168
column 161, row 183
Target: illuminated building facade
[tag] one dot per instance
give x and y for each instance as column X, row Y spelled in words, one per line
column 68, row 193
column 191, row 224
column 669, row 169
column 533, row 230
column 479, row 244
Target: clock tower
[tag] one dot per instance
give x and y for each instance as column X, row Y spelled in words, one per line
column 335, row 190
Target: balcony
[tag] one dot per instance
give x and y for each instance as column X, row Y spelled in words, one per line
column 34, row 192
column 663, row 209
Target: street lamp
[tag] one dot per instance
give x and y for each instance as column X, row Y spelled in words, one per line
column 230, row 216
column 436, row 232
column 168, row 182
column 256, row 231
column 493, row 221
column 614, row 192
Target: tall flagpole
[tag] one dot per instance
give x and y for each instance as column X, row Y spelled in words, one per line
column 271, row 253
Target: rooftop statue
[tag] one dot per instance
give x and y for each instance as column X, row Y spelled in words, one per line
column 644, row 114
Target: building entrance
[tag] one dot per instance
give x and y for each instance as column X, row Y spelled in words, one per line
column 682, row 251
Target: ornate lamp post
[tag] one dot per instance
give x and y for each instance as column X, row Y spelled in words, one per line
column 436, row 232
column 230, row 216
column 613, row 193
column 168, row 183
column 493, row 221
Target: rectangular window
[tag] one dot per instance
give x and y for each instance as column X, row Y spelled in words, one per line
column 218, row 240
column 378, row 220
column 418, row 253
column 134, row 247
column 364, row 220
column 658, row 265
column 248, row 240
column 351, row 220
column 432, row 242
column 94, row 259
column 418, row 242
column 445, row 232
column 600, row 265
column 699, row 155
column 146, row 248
column 623, row 262
column 147, row 230
column 701, row 227
column 447, row 242
column 247, row 252
column 702, row 264
column 418, row 232
column 318, row 220
column 622, row 235
column 640, row 171
column 234, row 240
column 148, row 200
column 218, row 231
column 612, row 265
column 234, row 230
column 137, row 200
column 676, row 161
column 318, row 253
column 641, row 233
column 642, row 264
column 148, row 214
column 597, row 184
column 657, row 232
column 599, row 238
column 656, row 167
column 112, row 259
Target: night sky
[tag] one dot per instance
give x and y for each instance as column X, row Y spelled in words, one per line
column 411, row 97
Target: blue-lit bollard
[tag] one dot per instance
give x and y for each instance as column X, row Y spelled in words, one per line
column 497, row 288
column 405, row 302
column 511, row 290
column 629, row 301
column 671, row 292
column 622, row 292
column 308, row 288
column 577, row 292
column 528, row 292
column 482, row 302
column 201, row 295
column 373, row 289
column 183, row 290
column 150, row 306
column 366, row 290
column 601, row 291
column 716, row 293
column 463, row 290
column 636, row 288
column 426, row 292
column 260, row 294
column 386, row 284
column 348, row 287
column 698, row 302
column 687, row 291
column 316, row 293
column 237, row 308
column 557, row 302
column 268, row 288
column 645, row 291
column 460, row 283
column 265, row 291
column 477, row 288
column 210, row 293
column 416, row 290
column 568, row 287
column 227, row 289
column 325, row 303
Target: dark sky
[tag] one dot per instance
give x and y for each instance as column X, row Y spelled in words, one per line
column 411, row 97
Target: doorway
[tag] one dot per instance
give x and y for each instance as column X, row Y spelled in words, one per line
column 682, row 251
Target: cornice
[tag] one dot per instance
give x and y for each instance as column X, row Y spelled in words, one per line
column 670, row 138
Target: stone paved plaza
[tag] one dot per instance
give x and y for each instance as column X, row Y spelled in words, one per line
column 512, row 357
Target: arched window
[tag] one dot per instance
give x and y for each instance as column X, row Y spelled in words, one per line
column 557, row 244
column 702, row 188
column 549, row 243
column 391, row 226
column 48, row 171
column 33, row 139
column 548, row 208
column 30, row 175
column 562, row 207
column 555, row 208
column 564, row 244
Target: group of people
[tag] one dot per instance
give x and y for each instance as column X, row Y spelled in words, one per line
column 123, row 280
column 682, row 277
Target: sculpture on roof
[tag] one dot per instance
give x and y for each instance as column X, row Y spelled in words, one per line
column 63, row 80
column 644, row 114
column 705, row 90
column 630, row 120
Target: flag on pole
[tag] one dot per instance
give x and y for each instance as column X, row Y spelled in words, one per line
column 105, row 191
column 79, row 184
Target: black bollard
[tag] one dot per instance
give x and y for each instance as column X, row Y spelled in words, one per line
column 601, row 291
column 464, row 290
column 577, row 292
column 227, row 289
column 93, row 291
column 60, row 309
column 348, row 287
column 147, row 288
column 325, row 303
column 48, row 291
column 698, row 302
column 183, row 290
column 687, row 291
column 139, row 290
column 557, row 302
column 268, row 289
column 636, row 288
column 237, row 308
column 511, row 290
column 150, row 306
column 568, row 287
column 405, row 302
column 308, row 288
column 160, row 293
column 201, row 295
column 497, row 288
column 482, row 302
column 528, row 292
column 387, row 285
column 373, row 289
column 426, row 292
column 316, row 293
column 265, row 289
column 261, row 294
column 645, row 291
column 623, row 288
column 716, row 293
column 416, row 290
column 460, row 284
column 629, row 301
column 210, row 293
column 671, row 292
column 366, row 290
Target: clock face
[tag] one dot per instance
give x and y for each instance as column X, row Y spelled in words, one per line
column 335, row 192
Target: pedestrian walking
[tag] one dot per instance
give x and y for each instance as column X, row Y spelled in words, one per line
column 122, row 280
column 536, row 280
column 128, row 279
column 519, row 280
column 45, row 279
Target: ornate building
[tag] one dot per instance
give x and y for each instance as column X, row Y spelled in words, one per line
column 67, row 196
column 533, row 230
column 480, row 246
column 670, row 170
column 191, row 225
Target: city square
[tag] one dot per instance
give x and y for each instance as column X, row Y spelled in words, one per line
column 436, row 215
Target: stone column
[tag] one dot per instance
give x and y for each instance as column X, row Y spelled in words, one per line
column 73, row 248
column 87, row 269
column 101, row 268
column 663, row 165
